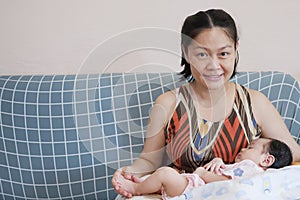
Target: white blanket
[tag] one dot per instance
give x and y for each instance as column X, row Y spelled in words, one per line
column 274, row 184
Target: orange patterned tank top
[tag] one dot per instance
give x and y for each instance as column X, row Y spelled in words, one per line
column 192, row 142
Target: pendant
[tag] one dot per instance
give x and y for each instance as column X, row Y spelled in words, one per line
column 204, row 127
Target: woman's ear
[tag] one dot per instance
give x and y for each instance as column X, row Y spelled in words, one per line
column 267, row 161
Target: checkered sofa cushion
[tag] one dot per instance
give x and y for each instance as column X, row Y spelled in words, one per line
column 63, row 136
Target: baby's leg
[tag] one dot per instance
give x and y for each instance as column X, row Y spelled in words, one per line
column 173, row 183
column 165, row 177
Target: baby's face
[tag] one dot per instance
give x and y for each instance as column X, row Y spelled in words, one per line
column 254, row 151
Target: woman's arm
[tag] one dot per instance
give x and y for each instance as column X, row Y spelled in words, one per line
column 271, row 123
column 154, row 146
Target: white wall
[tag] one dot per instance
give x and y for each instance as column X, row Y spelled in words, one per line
column 72, row 36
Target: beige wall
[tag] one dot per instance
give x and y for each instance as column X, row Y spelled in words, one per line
column 72, row 36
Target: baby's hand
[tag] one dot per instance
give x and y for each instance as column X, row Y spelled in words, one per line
column 215, row 166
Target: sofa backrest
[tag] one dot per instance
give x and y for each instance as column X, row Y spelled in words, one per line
column 63, row 136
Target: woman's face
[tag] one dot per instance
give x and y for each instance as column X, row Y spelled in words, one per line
column 211, row 56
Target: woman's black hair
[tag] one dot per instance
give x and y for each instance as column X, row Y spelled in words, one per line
column 194, row 24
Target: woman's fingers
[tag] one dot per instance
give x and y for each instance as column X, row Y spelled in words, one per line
column 114, row 179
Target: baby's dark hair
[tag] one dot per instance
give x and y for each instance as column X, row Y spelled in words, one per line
column 281, row 152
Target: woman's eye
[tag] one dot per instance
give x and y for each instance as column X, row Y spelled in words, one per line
column 224, row 54
column 202, row 55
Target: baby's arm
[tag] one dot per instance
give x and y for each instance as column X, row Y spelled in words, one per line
column 208, row 176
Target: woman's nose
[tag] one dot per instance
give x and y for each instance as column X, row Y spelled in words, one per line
column 214, row 62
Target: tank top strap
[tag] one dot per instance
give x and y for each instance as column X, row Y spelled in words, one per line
column 244, row 112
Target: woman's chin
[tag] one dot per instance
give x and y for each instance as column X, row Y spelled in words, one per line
column 215, row 85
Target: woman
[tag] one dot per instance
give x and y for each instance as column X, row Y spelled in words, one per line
column 208, row 117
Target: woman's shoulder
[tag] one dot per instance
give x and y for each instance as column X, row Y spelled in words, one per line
column 168, row 101
column 260, row 105
column 172, row 95
column 257, row 96
column 167, row 97
column 164, row 106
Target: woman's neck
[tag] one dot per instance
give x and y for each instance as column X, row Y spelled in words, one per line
column 210, row 98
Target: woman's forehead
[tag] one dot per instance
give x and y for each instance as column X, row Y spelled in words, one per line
column 212, row 38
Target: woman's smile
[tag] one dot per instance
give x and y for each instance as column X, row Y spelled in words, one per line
column 216, row 77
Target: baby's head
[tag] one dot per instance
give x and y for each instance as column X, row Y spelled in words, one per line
column 267, row 153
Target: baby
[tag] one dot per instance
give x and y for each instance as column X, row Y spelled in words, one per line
column 260, row 154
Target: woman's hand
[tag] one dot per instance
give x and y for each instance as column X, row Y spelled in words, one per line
column 215, row 166
column 123, row 172
column 116, row 185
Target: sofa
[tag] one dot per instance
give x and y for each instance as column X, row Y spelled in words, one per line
column 63, row 136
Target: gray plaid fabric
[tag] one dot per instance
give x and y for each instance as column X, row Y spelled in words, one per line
column 63, row 136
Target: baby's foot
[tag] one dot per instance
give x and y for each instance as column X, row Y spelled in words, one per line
column 127, row 185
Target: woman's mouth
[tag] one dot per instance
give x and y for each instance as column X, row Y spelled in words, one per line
column 213, row 77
